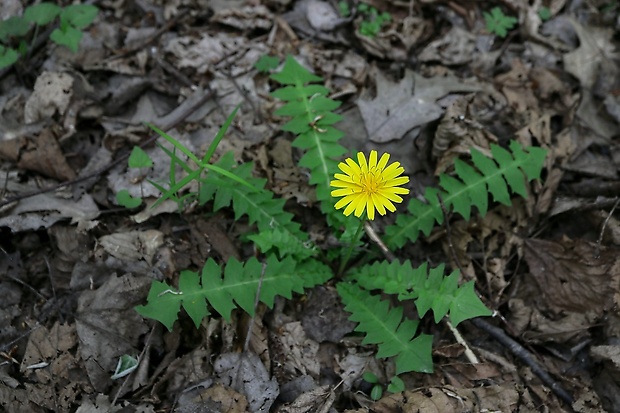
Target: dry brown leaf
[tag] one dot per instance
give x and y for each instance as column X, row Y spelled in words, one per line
column 571, row 275
column 40, row 153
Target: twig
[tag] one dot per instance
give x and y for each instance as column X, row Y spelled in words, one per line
column 499, row 334
column 375, row 238
column 469, row 354
column 246, row 345
column 597, row 252
column 166, row 127
column 525, row 356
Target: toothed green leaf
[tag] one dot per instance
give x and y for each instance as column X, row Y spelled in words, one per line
column 470, row 187
column 387, row 328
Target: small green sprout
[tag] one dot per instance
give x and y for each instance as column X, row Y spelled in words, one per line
column 73, row 19
column 498, row 23
column 396, row 385
column 139, row 158
column 344, row 9
column 544, row 13
column 124, row 198
column 373, row 20
column 266, row 63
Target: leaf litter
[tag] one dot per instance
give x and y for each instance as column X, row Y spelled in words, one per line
column 433, row 83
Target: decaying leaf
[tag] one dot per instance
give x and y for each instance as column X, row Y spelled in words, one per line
column 52, row 94
column 133, row 245
column 245, row 373
column 102, row 340
column 574, row 275
column 411, row 102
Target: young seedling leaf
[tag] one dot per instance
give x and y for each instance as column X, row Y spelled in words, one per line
column 266, row 63
column 8, row 56
column 70, row 38
column 14, row 26
column 79, row 16
column 139, row 159
column 498, row 22
column 124, row 198
column 42, row 13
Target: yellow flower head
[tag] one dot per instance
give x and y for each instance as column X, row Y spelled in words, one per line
column 369, row 185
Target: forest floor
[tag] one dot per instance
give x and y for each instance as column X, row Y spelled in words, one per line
column 425, row 81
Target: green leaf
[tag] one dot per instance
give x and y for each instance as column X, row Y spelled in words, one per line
column 471, row 186
column 42, row 13
column 163, row 304
column 498, row 22
column 79, row 16
column 69, row 38
column 294, row 74
column 311, row 112
column 124, row 198
column 266, row 63
column 139, row 159
column 387, row 328
column 8, row 56
column 237, row 286
column 544, row 13
column 467, row 305
column 13, row 26
column 370, row 377
column 396, row 385
column 430, row 289
column 258, row 204
column 376, row 392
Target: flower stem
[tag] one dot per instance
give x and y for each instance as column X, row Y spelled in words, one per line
column 354, row 241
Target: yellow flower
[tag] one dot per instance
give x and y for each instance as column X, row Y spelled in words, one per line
column 369, row 185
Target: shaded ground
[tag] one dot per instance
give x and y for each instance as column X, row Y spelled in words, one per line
column 431, row 84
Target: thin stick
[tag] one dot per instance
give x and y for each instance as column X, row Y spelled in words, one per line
column 597, row 252
column 246, row 345
column 525, row 356
column 370, row 231
column 471, row 357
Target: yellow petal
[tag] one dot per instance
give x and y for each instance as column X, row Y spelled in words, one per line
column 372, row 160
column 383, row 161
column 395, row 190
column 349, row 209
column 343, row 184
column 360, row 204
column 355, row 168
column 378, row 201
column 343, row 192
column 361, row 160
column 401, row 180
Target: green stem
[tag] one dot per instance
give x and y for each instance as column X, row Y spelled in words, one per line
column 354, row 241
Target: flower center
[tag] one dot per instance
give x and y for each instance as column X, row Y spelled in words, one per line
column 370, row 181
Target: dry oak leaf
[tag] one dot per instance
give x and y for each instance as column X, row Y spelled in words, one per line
column 574, row 275
column 411, row 102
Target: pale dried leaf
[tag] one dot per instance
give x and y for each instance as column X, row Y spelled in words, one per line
column 411, row 102
column 245, row 373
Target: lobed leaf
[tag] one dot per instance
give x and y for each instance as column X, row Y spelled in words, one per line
column 428, row 287
column 507, row 170
column 311, row 111
column 387, row 328
column 236, row 287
